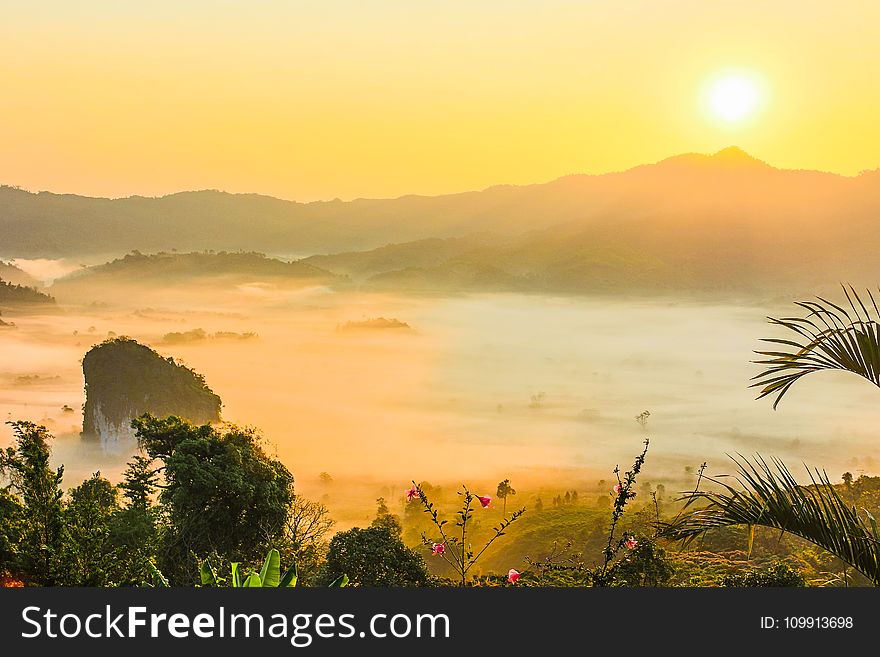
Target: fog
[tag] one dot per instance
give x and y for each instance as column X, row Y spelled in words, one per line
column 45, row 270
column 542, row 390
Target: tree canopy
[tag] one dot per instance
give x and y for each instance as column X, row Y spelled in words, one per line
column 223, row 493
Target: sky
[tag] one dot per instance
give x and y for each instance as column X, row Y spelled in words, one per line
column 380, row 98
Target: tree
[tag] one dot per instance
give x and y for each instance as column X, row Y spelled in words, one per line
column 223, row 494
column 304, row 539
column 134, row 530
column 830, row 337
column 89, row 559
column 502, row 492
column 374, row 556
column 38, row 486
column 778, row 574
column 384, row 518
column 644, row 565
column 139, row 482
column 12, row 524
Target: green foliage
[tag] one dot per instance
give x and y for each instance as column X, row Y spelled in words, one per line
column 166, row 267
column 374, row 556
column 770, row 496
column 124, row 379
column 604, row 575
column 157, row 579
column 457, row 550
column 270, row 573
column 223, row 494
column 12, row 528
column 39, row 489
column 830, row 338
column 198, row 335
column 88, row 557
column 269, row 576
column 647, row 564
column 504, row 491
column 13, row 295
column 629, row 557
column 134, row 530
column 385, row 519
column 778, row 574
column 139, row 483
column 340, row 582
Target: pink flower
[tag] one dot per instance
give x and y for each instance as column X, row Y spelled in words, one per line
column 412, row 493
column 617, row 488
column 485, row 501
column 438, row 549
column 513, row 575
column 631, row 543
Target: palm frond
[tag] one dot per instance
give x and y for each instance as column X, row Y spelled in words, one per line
column 769, row 496
column 830, row 337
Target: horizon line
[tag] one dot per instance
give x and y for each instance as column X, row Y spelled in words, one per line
column 733, row 149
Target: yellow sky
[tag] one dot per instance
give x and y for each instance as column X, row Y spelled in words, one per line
column 346, row 98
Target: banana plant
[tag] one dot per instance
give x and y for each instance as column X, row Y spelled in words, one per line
column 158, row 579
column 269, row 576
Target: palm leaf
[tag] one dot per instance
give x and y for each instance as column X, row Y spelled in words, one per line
column 829, row 337
column 769, row 496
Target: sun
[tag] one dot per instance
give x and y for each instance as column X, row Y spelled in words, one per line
column 734, row 97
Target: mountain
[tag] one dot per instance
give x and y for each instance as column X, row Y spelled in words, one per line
column 719, row 224
column 12, row 274
column 687, row 193
column 19, row 298
column 125, row 379
column 160, row 270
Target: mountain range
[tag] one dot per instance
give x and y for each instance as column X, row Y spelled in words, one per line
column 719, row 222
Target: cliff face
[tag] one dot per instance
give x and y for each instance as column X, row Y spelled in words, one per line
column 125, row 379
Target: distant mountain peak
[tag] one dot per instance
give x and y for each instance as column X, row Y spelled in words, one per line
column 732, row 157
column 732, row 151
column 736, row 154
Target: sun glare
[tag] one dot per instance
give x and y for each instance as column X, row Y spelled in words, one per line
column 734, row 97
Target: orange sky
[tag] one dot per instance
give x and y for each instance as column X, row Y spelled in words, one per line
column 345, row 98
